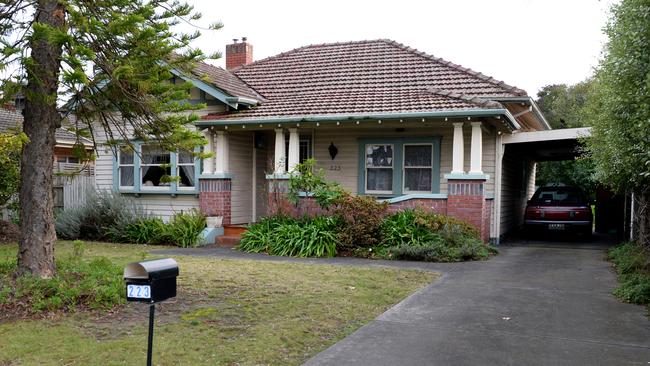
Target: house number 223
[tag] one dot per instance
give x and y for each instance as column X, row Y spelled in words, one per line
column 335, row 167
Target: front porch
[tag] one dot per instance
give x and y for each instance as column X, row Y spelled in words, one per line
column 441, row 164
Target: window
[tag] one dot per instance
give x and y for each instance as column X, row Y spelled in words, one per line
column 379, row 168
column 390, row 167
column 304, row 151
column 155, row 168
column 67, row 159
column 126, row 167
column 151, row 169
column 418, row 168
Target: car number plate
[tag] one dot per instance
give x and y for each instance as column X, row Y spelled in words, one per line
column 138, row 291
column 556, row 226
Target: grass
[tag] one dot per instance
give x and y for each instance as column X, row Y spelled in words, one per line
column 227, row 312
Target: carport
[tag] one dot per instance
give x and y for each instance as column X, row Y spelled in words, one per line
column 517, row 156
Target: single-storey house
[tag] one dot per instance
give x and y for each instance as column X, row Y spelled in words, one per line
column 380, row 118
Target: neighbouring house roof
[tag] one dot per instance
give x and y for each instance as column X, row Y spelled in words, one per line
column 225, row 81
column 12, row 120
column 352, row 78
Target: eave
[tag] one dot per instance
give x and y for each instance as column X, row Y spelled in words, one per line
column 508, row 118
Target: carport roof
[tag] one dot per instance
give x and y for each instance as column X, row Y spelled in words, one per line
column 548, row 145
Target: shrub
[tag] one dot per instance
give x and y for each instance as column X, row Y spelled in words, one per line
column 184, row 229
column 360, row 219
column 427, row 236
column 103, row 216
column 632, row 262
column 113, row 217
column 95, row 284
column 291, row 237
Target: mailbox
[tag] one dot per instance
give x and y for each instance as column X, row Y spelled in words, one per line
column 151, row 281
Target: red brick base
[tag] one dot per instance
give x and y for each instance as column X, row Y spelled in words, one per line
column 466, row 201
column 214, row 198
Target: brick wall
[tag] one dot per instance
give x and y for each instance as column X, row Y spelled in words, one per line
column 436, row 205
column 466, row 201
column 215, row 198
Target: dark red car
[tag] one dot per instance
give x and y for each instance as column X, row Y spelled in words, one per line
column 559, row 209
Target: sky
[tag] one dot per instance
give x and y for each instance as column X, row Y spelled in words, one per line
column 526, row 43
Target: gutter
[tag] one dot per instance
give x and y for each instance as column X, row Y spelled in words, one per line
column 334, row 118
column 529, row 101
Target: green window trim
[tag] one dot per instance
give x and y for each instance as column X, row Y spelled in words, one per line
column 398, row 162
column 138, row 188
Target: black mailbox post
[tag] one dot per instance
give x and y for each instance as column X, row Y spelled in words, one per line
column 151, row 282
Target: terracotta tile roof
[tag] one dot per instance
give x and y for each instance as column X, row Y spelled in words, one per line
column 10, row 120
column 366, row 76
column 225, row 81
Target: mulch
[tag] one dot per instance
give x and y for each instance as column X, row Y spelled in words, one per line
column 9, row 232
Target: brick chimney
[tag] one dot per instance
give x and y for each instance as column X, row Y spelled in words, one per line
column 238, row 53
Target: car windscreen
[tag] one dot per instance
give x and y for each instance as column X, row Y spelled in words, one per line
column 559, row 196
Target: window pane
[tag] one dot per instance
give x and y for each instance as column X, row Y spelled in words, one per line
column 186, row 174
column 380, row 180
column 152, row 176
column 185, row 157
column 126, row 176
column 73, row 160
column 126, row 156
column 417, row 180
column 379, row 155
column 417, row 155
column 154, row 155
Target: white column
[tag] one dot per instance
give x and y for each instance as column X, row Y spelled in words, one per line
column 280, row 158
column 208, row 163
column 458, row 149
column 477, row 149
column 221, row 152
column 294, row 148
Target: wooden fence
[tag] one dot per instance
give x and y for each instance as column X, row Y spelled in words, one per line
column 76, row 189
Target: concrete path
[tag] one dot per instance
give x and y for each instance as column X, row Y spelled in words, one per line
column 537, row 303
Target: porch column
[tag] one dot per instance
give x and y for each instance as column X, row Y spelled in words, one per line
column 221, row 153
column 458, row 149
column 280, row 159
column 476, row 149
column 294, row 148
column 208, row 163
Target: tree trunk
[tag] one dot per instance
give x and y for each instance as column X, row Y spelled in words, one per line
column 36, row 246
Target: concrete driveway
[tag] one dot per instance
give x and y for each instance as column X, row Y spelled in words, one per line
column 538, row 303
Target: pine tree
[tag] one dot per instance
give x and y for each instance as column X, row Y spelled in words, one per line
column 108, row 63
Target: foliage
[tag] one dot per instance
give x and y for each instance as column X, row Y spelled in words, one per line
column 619, row 105
column 290, row 237
column 109, row 63
column 439, row 251
column 632, row 263
column 360, row 221
column 94, row 283
column 114, row 217
column 563, row 106
column 305, row 178
column 11, row 145
column 103, row 216
column 427, row 236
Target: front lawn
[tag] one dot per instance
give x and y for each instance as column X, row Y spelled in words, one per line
column 227, row 312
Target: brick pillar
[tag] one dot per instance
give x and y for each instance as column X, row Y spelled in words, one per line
column 214, row 198
column 466, row 201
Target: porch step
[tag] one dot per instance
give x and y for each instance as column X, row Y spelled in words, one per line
column 234, row 230
column 227, row 241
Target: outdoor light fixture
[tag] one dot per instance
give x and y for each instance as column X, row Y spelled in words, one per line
column 333, row 150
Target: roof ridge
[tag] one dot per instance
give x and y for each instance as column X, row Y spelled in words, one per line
column 481, row 102
column 476, row 74
column 294, row 50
